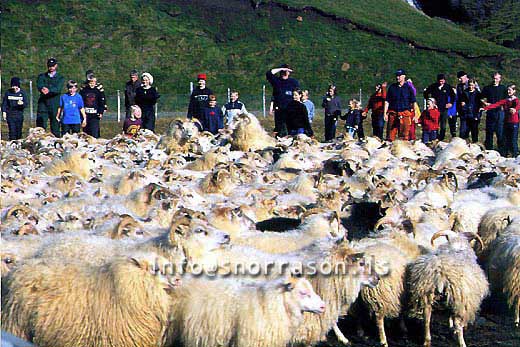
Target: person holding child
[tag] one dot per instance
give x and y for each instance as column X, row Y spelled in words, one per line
column 511, row 106
column 297, row 119
column 73, row 109
column 353, row 119
column 133, row 123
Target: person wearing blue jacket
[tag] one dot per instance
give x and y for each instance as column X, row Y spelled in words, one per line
column 212, row 118
column 283, row 87
column 13, row 104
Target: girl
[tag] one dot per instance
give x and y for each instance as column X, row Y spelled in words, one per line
column 470, row 114
column 511, row 107
column 297, row 118
column 430, row 121
column 353, row 119
column 309, row 104
column 146, row 97
column 74, row 117
column 376, row 103
column 133, row 123
column 332, row 104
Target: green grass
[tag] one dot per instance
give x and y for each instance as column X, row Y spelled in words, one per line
column 175, row 41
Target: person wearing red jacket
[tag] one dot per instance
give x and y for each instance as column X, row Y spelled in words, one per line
column 512, row 107
column 376, row 103
column 430, row 121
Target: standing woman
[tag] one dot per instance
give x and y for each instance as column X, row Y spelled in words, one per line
column 332, row 105
column 13, row 105
column 297, row 118
column 146, row 97
column 469, row 111
column 376, row 103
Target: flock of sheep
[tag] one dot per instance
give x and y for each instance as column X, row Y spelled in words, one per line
column 137, row 241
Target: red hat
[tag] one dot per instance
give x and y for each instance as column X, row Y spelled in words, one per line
column 201, row 76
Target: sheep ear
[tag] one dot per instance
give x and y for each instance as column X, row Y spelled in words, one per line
column 356, row 256
column 142, row 264
column 290, row 284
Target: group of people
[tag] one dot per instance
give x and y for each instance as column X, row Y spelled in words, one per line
column 293, row 111
column 397, row 107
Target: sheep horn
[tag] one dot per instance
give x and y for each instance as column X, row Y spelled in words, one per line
column 19, row 207
column 126, row 221
column 439, row 234
column 479, row 239
column 452, row 175
column 463, row 156
column 380, row 222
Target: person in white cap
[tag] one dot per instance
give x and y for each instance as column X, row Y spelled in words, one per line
column 146, row 97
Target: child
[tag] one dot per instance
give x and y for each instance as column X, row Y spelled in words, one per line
column 430, row 121
column 94, row 101
column 133, row 123
column 71, row 104
column 511, row 108
column 309, row 104
column 212, row 118
column 353, row 119
column 233, row 108
column 469, row 111
column 13, row 105
column 297, row 119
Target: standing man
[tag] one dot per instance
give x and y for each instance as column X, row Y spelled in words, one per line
column 13, row 105
column 130, row 88
column 283, row 87
column 443, row 93
column 495, row 118
column 50, row 85
column 400, row 100
column 199, row 98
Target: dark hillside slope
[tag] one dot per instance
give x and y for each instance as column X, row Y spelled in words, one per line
column 236, row 41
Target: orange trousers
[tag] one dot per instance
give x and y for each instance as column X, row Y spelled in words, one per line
column 398, row 123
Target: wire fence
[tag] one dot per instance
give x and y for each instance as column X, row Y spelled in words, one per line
column 176, row 105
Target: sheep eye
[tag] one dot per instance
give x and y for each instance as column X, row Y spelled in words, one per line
column 199, row 230
column 8, row 260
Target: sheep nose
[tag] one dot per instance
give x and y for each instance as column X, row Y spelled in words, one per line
column 227, row 238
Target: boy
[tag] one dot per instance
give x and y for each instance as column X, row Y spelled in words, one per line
column 233, row 108
column 212, row 118
column 13, row 105
column 94, row 101
column 71, row 104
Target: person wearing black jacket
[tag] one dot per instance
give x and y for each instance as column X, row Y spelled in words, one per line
column 146, row 97
column 495, row 118
column 469, row 114
column 130, row 88
column 332, row 105
column 442, row 92
column 297, row 118
column 283, row 87
column 95, row 104
column 13, row 104
column 199, row 98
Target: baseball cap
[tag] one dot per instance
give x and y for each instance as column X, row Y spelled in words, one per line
column 400, row 72
column 51, row 62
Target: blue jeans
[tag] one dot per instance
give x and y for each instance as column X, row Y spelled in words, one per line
column 495, row 125
column 378, row 124
column 294, row 132
column 330, row 127
column 511, row 139
column 428, row 136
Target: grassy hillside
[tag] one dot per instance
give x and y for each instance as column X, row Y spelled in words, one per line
column 236, row 43
column 502, row 26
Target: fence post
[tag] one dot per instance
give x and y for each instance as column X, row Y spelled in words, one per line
column 191, row 87
column 263, row 100
column 156, row 107
column 118, row 106
column 31, row 99
column 228, row 95
column 360, row 96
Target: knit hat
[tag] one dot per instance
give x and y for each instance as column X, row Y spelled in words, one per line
column 51, row 62
column 15, row 82
column 150, row 77
column 201, row 76
column 461, row 73
column 441, row 76
column 400, row 72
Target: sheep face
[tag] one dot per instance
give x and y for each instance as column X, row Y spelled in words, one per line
column 232, row 220
column 159, row 267
column 299, row 292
